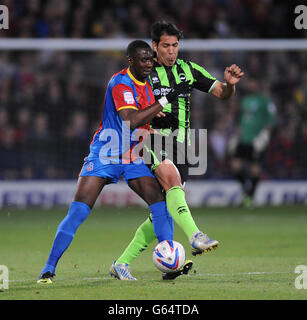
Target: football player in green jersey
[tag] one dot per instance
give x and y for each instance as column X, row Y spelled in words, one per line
column 168, row 71
column 257, row 118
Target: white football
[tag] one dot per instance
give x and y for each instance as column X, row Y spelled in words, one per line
column 168, row 256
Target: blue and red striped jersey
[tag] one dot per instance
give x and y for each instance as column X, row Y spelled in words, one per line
column 114, row 141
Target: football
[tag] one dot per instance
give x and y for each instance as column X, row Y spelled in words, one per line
column 168, row 256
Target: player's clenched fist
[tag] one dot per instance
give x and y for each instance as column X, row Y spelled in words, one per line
column 233, row 74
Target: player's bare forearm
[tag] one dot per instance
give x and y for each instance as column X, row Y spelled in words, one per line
column 141, row 117
column 223, row 90
column 232, row 76
column 227, row 90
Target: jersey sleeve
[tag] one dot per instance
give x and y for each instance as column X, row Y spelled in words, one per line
column 203, row 80
column 123, row 97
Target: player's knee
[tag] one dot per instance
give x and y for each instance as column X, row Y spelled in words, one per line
column 88, row 190
column 157, row 197
column 168, row 175
column 153, row 194
column 85, row 198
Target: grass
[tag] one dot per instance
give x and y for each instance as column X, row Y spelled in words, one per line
column 259, row 251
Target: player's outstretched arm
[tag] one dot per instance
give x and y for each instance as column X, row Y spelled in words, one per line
column 232, row 76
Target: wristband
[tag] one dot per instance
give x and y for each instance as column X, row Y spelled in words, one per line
column 163, row 101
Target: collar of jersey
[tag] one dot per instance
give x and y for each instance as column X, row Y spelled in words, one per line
column 135, row 80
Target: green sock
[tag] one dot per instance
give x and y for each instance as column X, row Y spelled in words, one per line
column 144, row 235
column 179, row 210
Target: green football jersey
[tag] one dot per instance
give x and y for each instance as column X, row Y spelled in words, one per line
column 163, row 78
column 257, row 112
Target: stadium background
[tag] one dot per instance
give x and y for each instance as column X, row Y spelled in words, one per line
column 50, row 106
column 50, row 101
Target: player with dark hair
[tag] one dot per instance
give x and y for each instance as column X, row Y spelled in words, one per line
column 168, row 71
column 160, row 28
column 129, row 104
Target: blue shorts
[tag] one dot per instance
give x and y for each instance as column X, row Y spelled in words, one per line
column 112, row 172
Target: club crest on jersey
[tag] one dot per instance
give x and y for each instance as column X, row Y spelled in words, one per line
column 157, row 92
column 90, row 166
column 128, row 97
column 182, row 77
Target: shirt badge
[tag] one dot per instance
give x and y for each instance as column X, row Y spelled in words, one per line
column 128, row 97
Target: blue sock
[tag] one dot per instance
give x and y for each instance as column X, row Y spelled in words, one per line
column 161, row 218
column 171, row 222
column 77, row 213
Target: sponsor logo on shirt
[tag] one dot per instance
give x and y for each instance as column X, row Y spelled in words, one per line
column 165, row 90
column 155, row 80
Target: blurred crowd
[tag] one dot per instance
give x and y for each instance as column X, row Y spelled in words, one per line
column 132, row 18
column 50, row 101
column 50, row 107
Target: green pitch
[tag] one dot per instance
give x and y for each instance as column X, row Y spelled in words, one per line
column 259, row 250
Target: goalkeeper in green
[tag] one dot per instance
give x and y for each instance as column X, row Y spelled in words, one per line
column 247, row 146
column 168, row 71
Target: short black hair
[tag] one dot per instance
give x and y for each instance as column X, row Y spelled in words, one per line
column 164, row 27
column 135, row 45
